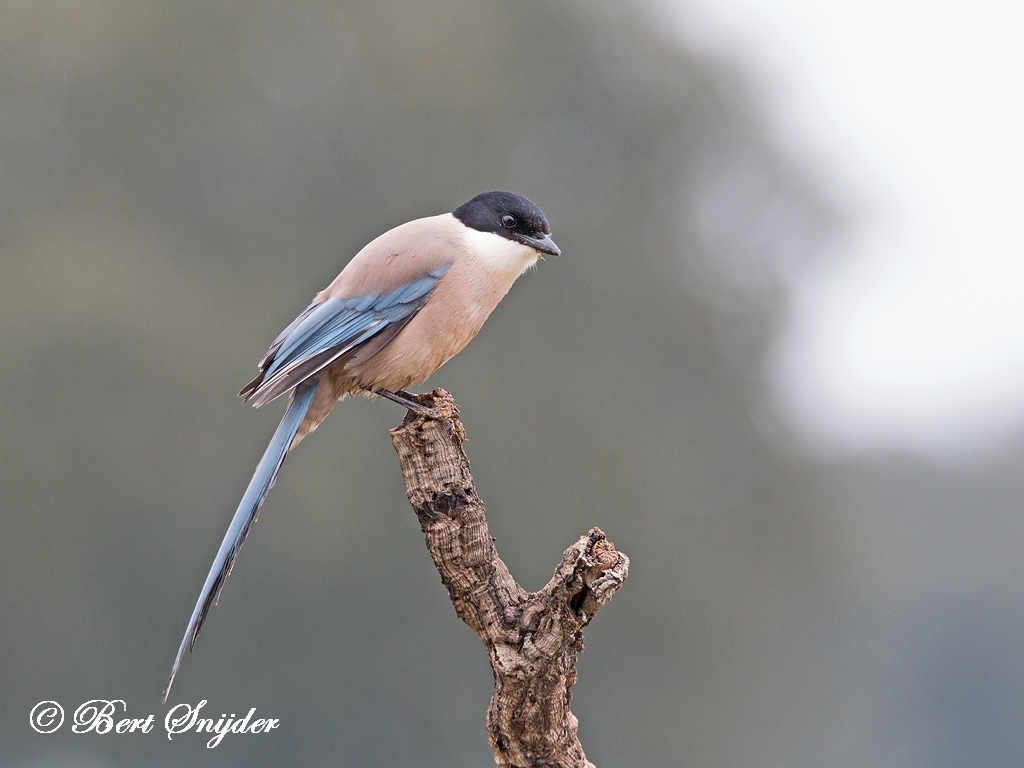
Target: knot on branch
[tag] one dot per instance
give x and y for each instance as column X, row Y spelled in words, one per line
column 598, row 572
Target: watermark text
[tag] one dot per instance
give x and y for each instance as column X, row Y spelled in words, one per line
column 110, row 716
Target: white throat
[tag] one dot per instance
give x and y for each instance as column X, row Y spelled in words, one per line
column 498, row 254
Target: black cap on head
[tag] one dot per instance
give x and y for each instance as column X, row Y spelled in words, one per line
column 511, row 216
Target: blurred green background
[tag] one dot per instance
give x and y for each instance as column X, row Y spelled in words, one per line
column 178, row 179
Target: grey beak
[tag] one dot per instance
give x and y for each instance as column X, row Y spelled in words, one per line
column 544, row 244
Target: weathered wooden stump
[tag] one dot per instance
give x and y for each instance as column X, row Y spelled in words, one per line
column 532, row 638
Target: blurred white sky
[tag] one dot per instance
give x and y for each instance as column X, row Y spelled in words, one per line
column 910, row 334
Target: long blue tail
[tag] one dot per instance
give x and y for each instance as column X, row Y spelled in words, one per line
column 249, row 507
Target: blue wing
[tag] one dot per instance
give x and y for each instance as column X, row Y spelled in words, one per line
column 334, row 331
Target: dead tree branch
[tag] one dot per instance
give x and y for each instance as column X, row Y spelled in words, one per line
column 533, row 638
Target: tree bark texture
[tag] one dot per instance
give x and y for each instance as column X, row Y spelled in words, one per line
column 533, row 638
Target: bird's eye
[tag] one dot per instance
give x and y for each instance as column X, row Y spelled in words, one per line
column 508, row 221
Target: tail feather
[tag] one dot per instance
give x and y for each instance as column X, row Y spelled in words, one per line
column 248, row 509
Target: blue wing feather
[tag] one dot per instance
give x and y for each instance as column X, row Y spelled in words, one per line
column 335, row 330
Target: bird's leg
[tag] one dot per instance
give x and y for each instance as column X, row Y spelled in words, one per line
column 411, row 402
column 408, row 400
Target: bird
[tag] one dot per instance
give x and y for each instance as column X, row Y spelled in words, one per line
column 404, row 305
